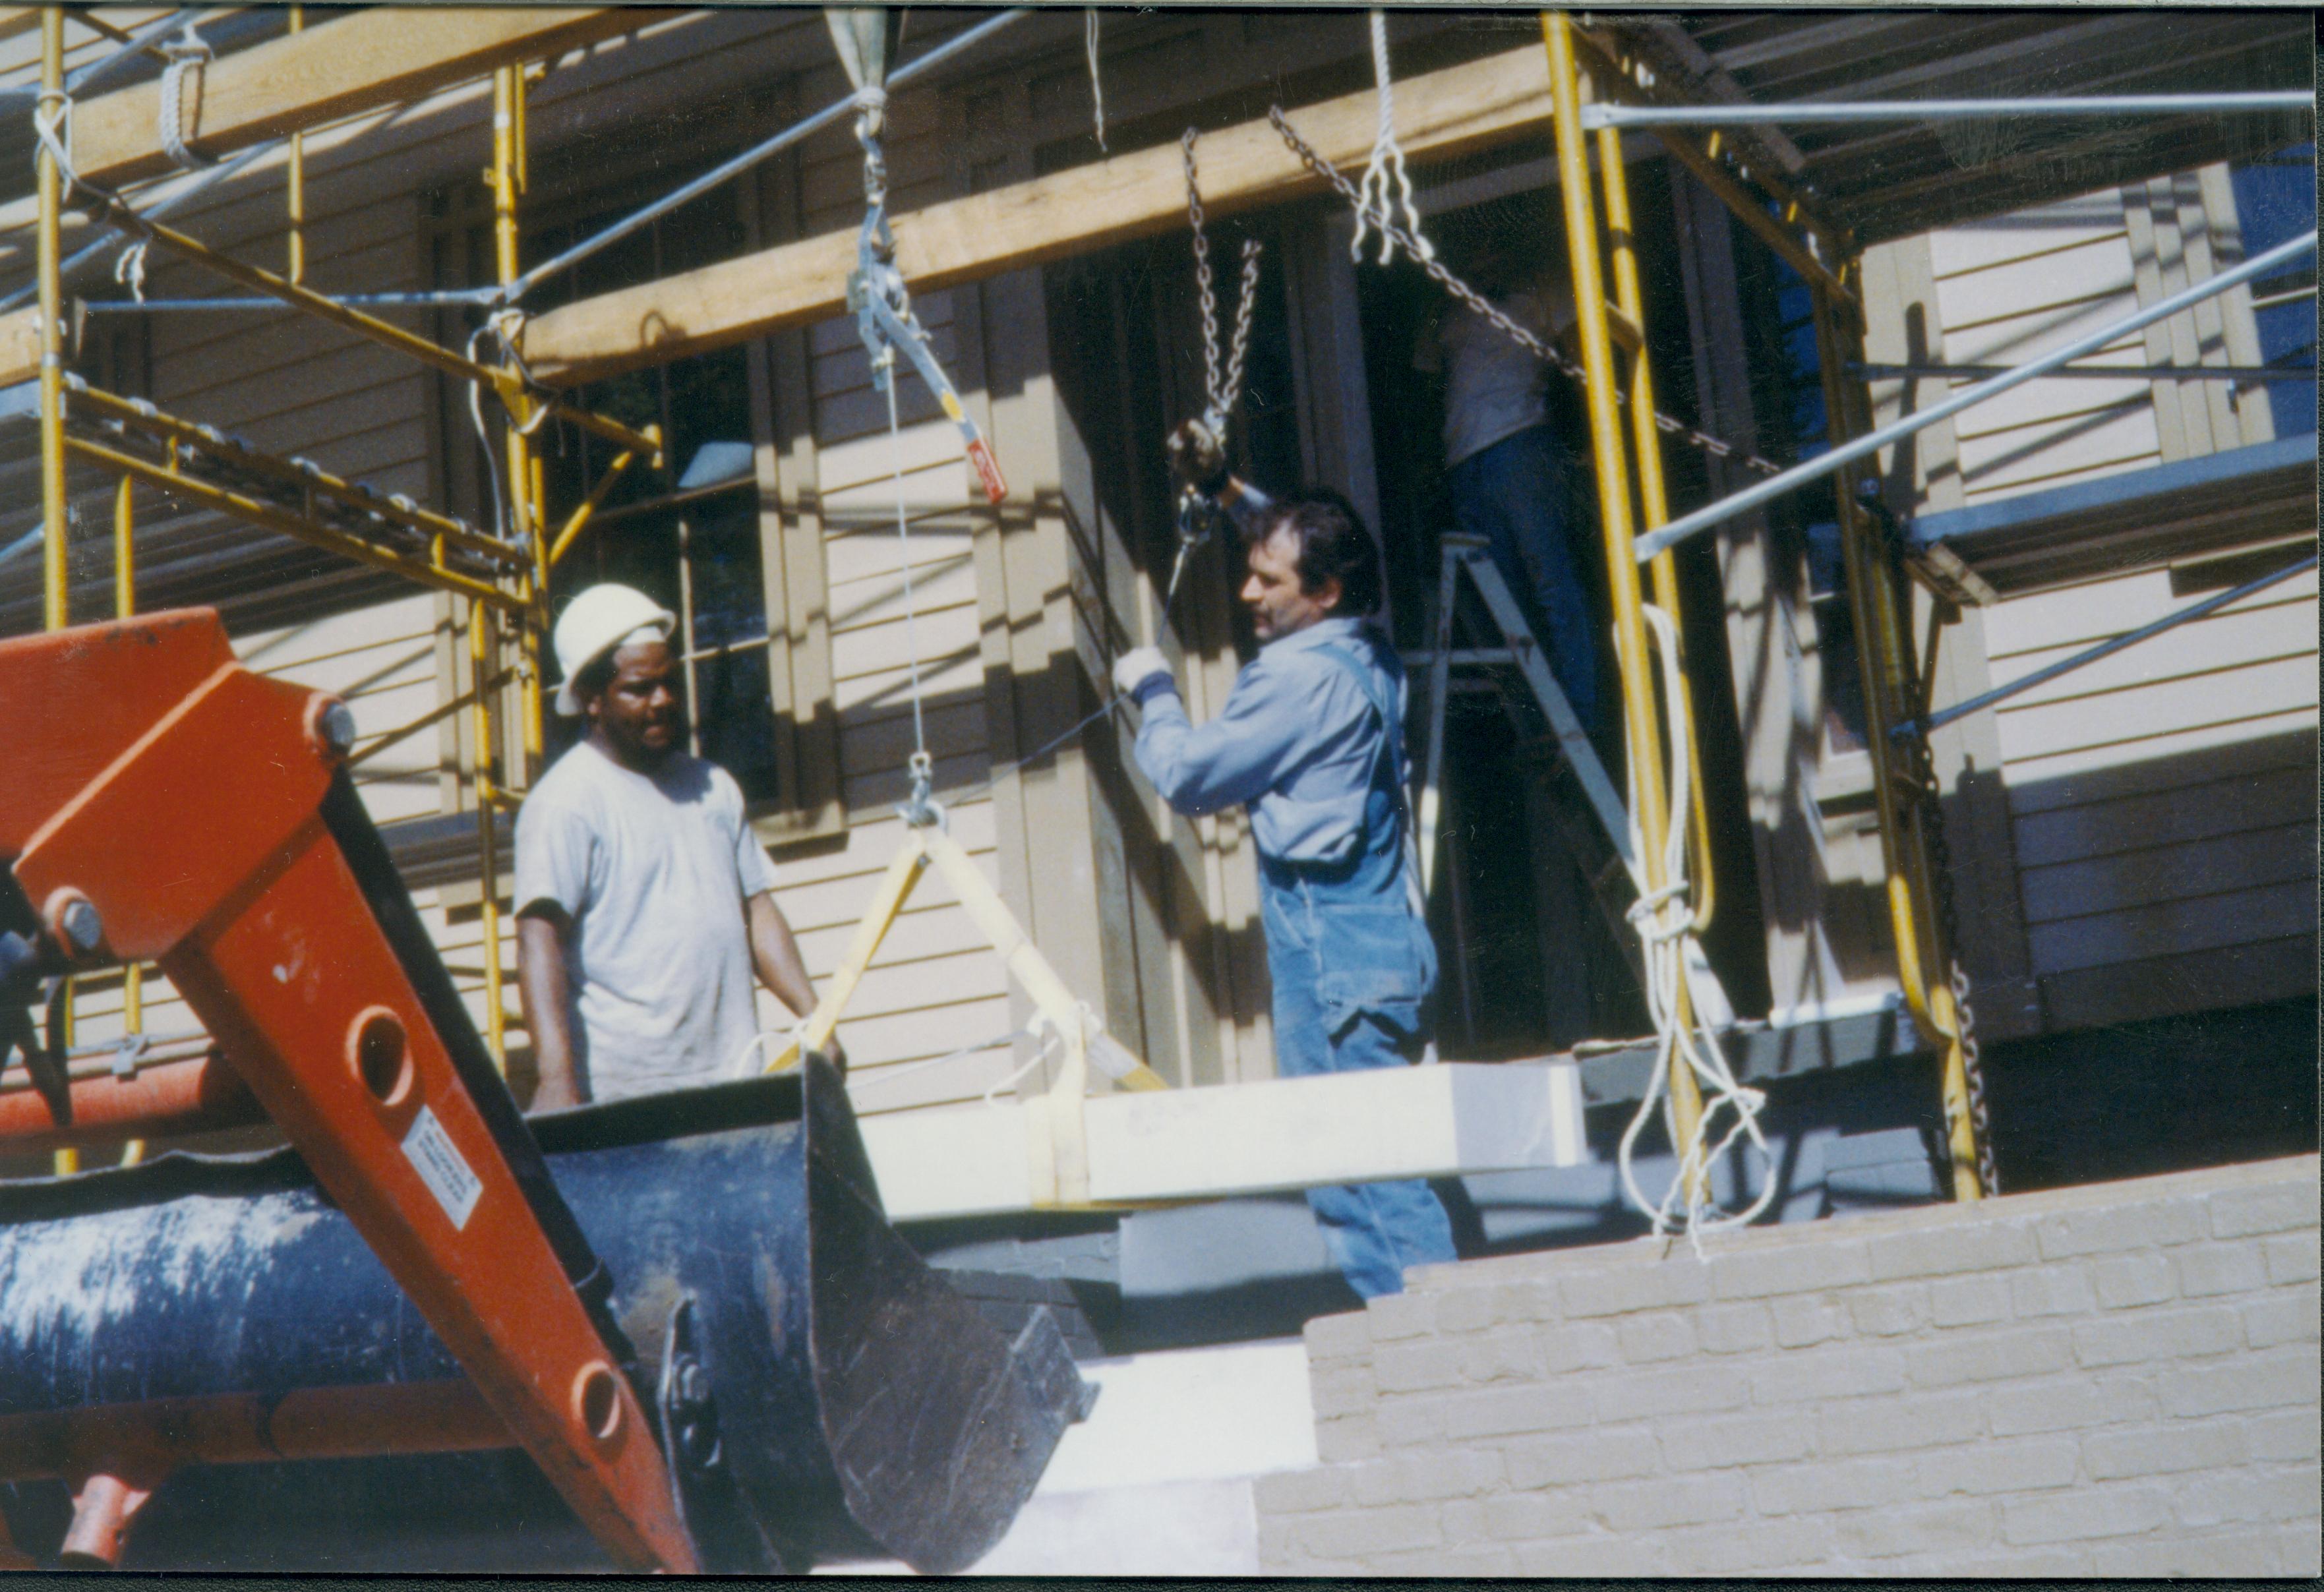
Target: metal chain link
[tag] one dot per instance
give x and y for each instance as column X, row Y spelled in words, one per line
column 1220, row 392
column 1424, row 257
column 1929, row 797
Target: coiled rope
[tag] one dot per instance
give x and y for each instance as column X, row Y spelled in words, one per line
column 1666, row 925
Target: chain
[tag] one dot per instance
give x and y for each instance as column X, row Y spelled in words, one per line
column 1422, row 256
column 1928, row 794
column 1221, row 390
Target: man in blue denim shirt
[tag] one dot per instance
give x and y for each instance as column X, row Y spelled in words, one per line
column 1311, row 740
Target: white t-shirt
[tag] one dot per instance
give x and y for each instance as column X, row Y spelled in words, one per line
column 1492, row 384
column 653, row 871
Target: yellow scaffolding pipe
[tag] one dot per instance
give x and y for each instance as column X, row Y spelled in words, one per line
column 1641, row 722
column 297, row 180
column 49, row 181
column 480, row 653
column 523, row 507
column 124, row 606
column 1654, row 500
column 55, row 607
column 1884, row 647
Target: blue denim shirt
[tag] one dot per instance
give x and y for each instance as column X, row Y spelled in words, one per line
column 1296, row 743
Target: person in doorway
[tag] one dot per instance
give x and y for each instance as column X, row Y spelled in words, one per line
column 1505, row 469
column 1311, row 740
column 643, row 900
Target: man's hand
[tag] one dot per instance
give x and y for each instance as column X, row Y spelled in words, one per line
column 834, row 1052
column 1134, row 667
column 547, row 1010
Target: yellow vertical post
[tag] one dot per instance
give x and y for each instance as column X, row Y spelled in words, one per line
column 297, row 179
column 488, row 920
column 1654, row 500
column 50, row 182
column 67, row 1161
column 523, row 477
column 1882, row 643
column 1641, row 724
column 125, row 605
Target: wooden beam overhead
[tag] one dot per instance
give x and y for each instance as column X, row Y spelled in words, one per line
column 372, row 58
column 1439, row 115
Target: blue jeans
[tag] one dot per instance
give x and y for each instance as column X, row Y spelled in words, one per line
column 1513, row 495
column 1353, row 972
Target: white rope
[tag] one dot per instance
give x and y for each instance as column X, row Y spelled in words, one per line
column 1097, row 84
column 1665, row 924
column 190, row 51
column 1378, row 205
column 1051, row 1039
column 129, row 269
column 53, row 130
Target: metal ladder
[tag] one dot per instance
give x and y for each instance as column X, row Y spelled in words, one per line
column 1600, row 842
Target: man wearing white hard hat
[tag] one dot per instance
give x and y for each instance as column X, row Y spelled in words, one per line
column 643, row 900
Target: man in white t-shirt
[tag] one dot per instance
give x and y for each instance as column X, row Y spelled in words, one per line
column 643, row 900
column 1504, row 466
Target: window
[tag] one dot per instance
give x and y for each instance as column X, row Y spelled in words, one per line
column 705, row 538
column 690, row 537
column 2276, row 202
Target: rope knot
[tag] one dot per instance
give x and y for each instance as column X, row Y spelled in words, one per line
column 190, row 51
column 53, row 113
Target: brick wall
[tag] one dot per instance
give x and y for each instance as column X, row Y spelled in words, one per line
column 2115, row 1379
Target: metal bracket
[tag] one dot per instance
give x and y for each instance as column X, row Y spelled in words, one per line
column 127, row 1054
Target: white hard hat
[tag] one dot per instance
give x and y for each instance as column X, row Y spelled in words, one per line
column 597, row 621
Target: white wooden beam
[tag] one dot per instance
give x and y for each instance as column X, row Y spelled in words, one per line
column 1226, row 1140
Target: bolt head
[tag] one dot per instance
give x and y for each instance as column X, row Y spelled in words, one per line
column 84, row 930
column 339, row 727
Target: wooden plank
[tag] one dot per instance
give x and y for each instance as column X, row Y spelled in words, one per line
column 1438, row 115
column 364, row 60
column 20, row 346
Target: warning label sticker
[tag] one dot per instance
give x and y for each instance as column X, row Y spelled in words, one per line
column 431, row 1151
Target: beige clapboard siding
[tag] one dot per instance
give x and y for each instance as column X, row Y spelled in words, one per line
column 381, row 659
column 2015, row 288
column 2161, row 801
column 2254, row 633
column 2218, row 697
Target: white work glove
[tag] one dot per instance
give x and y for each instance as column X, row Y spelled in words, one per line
column 1134, row 667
